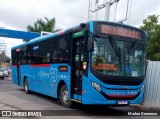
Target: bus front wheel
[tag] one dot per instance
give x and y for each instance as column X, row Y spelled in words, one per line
column 64, row 97
column 26, row 89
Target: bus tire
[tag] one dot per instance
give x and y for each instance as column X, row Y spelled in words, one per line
column 26, row 89
column 64, row 97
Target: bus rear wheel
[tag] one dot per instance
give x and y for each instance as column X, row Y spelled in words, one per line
column 26, row 89
column 64, row 97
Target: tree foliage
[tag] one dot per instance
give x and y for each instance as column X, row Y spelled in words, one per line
column 42, row 25
column 152, row 27
column 4, row 58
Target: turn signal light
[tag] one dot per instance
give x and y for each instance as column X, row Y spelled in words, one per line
column 84, row 65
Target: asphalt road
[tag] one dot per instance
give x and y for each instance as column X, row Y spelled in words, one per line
column 13, row 97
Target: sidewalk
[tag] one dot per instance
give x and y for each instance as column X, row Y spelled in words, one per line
column 6, row 107
column 142, row 107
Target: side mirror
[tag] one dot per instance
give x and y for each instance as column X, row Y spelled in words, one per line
column 90, row 44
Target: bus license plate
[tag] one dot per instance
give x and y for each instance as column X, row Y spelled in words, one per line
column 122, row 102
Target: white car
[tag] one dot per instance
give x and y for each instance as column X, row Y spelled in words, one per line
column 5, row 71
column 1, row 74
column 8, row 69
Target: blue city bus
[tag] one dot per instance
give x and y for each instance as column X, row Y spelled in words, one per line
column 95, row 63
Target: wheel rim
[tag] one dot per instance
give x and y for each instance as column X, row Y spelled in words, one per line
column 65, row 96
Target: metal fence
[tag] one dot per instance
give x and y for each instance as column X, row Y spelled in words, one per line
column 152, row 85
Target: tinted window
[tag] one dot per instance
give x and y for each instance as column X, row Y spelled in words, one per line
column 54, row 50
column 14, row 61
column 61, row 49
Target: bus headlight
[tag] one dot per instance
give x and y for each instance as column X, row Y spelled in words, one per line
column 142, row 88
column 96, row 86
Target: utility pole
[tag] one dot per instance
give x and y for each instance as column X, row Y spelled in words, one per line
column 97, row 3
column 107, row 11
column 128, row 11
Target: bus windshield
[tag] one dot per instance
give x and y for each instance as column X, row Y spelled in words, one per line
column 116, row 57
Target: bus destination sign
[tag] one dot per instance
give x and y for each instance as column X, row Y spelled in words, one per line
column 120, row 31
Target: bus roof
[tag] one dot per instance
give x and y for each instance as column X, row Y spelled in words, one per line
column 41, row 38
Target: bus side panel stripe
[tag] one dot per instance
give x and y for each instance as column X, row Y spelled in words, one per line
column 40, row 65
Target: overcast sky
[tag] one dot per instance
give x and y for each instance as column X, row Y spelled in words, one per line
column 17, row 14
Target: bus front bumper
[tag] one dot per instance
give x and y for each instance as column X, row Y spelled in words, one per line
column 112, row 97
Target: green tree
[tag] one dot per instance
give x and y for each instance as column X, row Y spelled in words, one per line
column 152, row 27
column 4, row 58
column 43, row 25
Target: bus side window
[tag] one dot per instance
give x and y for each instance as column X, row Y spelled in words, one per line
column 67, row 51
column 61, row 49
column 48, row 57
column 54, row 51
column 54, row 57
column 66, row 55
column 22, row 55
column 28, row 60
column 45, row 50
column 14, row 57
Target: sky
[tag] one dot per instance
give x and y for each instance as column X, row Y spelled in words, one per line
column 17, row 14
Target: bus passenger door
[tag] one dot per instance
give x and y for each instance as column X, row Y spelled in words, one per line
column 77, row 72
column 18, row 65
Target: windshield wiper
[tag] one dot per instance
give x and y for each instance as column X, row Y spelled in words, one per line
column 114, row 46
column 132, row 46
column 116, row 50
